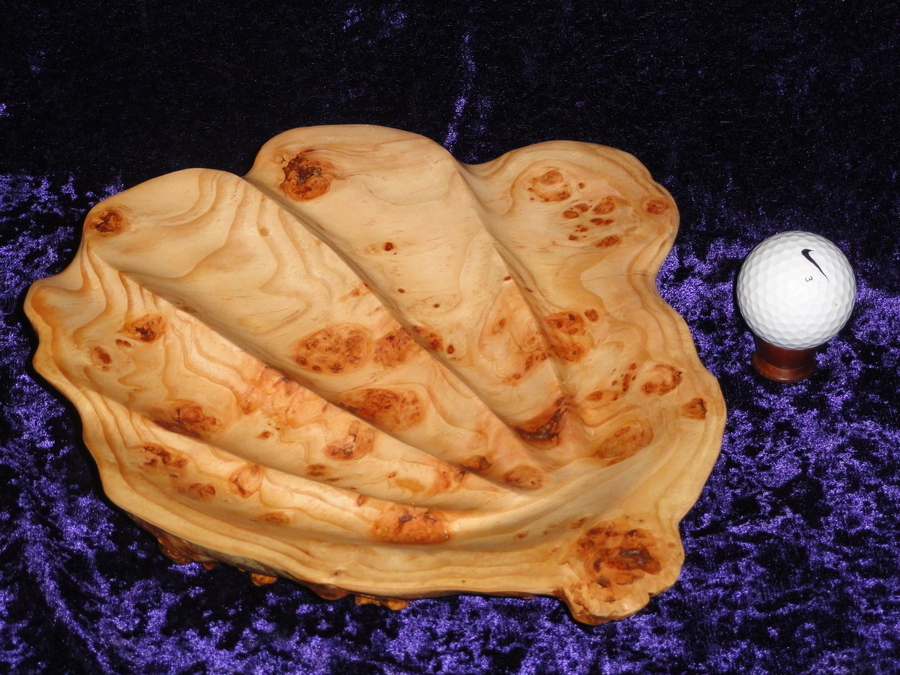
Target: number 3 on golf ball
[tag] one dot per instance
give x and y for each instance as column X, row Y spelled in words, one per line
column 796, row 290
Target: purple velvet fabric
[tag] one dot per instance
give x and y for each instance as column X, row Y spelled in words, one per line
column 758, row 117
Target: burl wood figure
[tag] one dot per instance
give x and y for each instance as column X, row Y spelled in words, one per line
column 376, row 371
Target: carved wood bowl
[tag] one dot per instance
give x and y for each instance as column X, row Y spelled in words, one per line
column 374, row 370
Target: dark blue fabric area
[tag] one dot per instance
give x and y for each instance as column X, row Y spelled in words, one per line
column 758, row 117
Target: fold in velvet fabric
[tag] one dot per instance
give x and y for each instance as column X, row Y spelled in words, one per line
column 757, row 120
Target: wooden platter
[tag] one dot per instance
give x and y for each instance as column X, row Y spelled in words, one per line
column 374, row 370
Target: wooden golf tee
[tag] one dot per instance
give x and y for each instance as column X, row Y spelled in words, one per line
column 783, row 365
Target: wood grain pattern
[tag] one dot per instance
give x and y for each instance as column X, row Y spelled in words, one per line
column 374, row 370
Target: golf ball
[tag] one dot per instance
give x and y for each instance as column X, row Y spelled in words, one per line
column 796, row 290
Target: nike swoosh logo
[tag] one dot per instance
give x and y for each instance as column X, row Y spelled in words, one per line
column 806, row 254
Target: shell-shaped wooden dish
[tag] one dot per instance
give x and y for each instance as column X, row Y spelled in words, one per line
column 374, row 370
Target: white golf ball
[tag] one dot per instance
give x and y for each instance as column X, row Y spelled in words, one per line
column 796, row 290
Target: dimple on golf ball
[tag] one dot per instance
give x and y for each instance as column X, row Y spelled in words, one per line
column 796, row 290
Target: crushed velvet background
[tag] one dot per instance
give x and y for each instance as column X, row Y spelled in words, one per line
column 758, row 117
